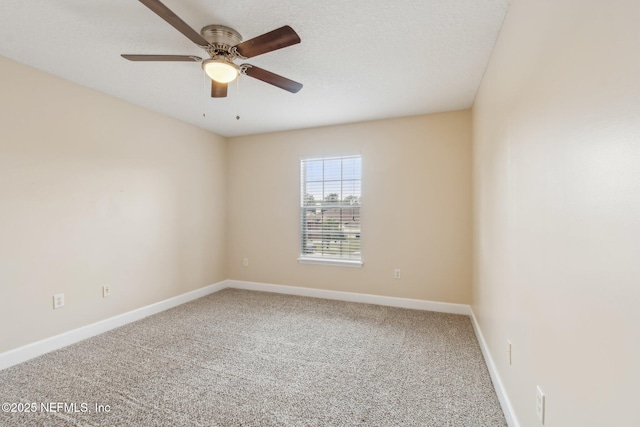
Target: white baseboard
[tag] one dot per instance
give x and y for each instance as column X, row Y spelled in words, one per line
column 29, row 351
column 415, row 304
column 505, row 403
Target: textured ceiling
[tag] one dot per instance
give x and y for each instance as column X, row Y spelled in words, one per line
column 358, row 60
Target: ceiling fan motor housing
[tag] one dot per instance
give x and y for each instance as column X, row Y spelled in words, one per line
column 221, row 37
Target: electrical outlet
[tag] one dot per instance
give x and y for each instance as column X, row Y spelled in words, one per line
column 245, row 262
column 540, row 402
column 509, row 352
column 58, row 301
column 396, row 273
column 106, row 291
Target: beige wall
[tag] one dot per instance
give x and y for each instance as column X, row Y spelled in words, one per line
column 95, row 191
column 415, row 215
column 557, row 209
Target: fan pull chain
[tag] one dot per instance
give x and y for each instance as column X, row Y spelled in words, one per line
column 204, row 92
column 238, row 98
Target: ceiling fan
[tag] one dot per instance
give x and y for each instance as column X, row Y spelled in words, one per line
column 224, row 45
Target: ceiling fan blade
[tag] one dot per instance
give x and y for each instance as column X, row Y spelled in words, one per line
column 273, row 40
column 218, row 90
column 187, row 58
column 271, row 78
column 165, row 13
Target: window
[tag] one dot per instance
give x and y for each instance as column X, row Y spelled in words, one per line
column 330, row 210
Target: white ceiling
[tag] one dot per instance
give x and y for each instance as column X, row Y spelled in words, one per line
column 359, row 60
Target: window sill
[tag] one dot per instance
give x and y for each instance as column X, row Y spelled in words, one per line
column 339, row 262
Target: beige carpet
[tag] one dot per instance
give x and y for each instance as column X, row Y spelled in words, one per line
column 242, row 358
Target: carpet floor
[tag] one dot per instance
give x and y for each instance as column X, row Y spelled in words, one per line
column 243, row 358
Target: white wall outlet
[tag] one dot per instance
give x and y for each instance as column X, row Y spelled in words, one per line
column 106, row 291
column 509, row 352
column 540, row 402
column 58, row 301
column 245, row 262
column 396, row 273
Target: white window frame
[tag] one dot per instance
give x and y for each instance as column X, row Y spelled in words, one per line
column 326, row 259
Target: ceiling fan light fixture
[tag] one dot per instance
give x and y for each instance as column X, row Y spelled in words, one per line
column 221, row 70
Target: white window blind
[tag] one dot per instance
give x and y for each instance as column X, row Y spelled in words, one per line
column 330, row 209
